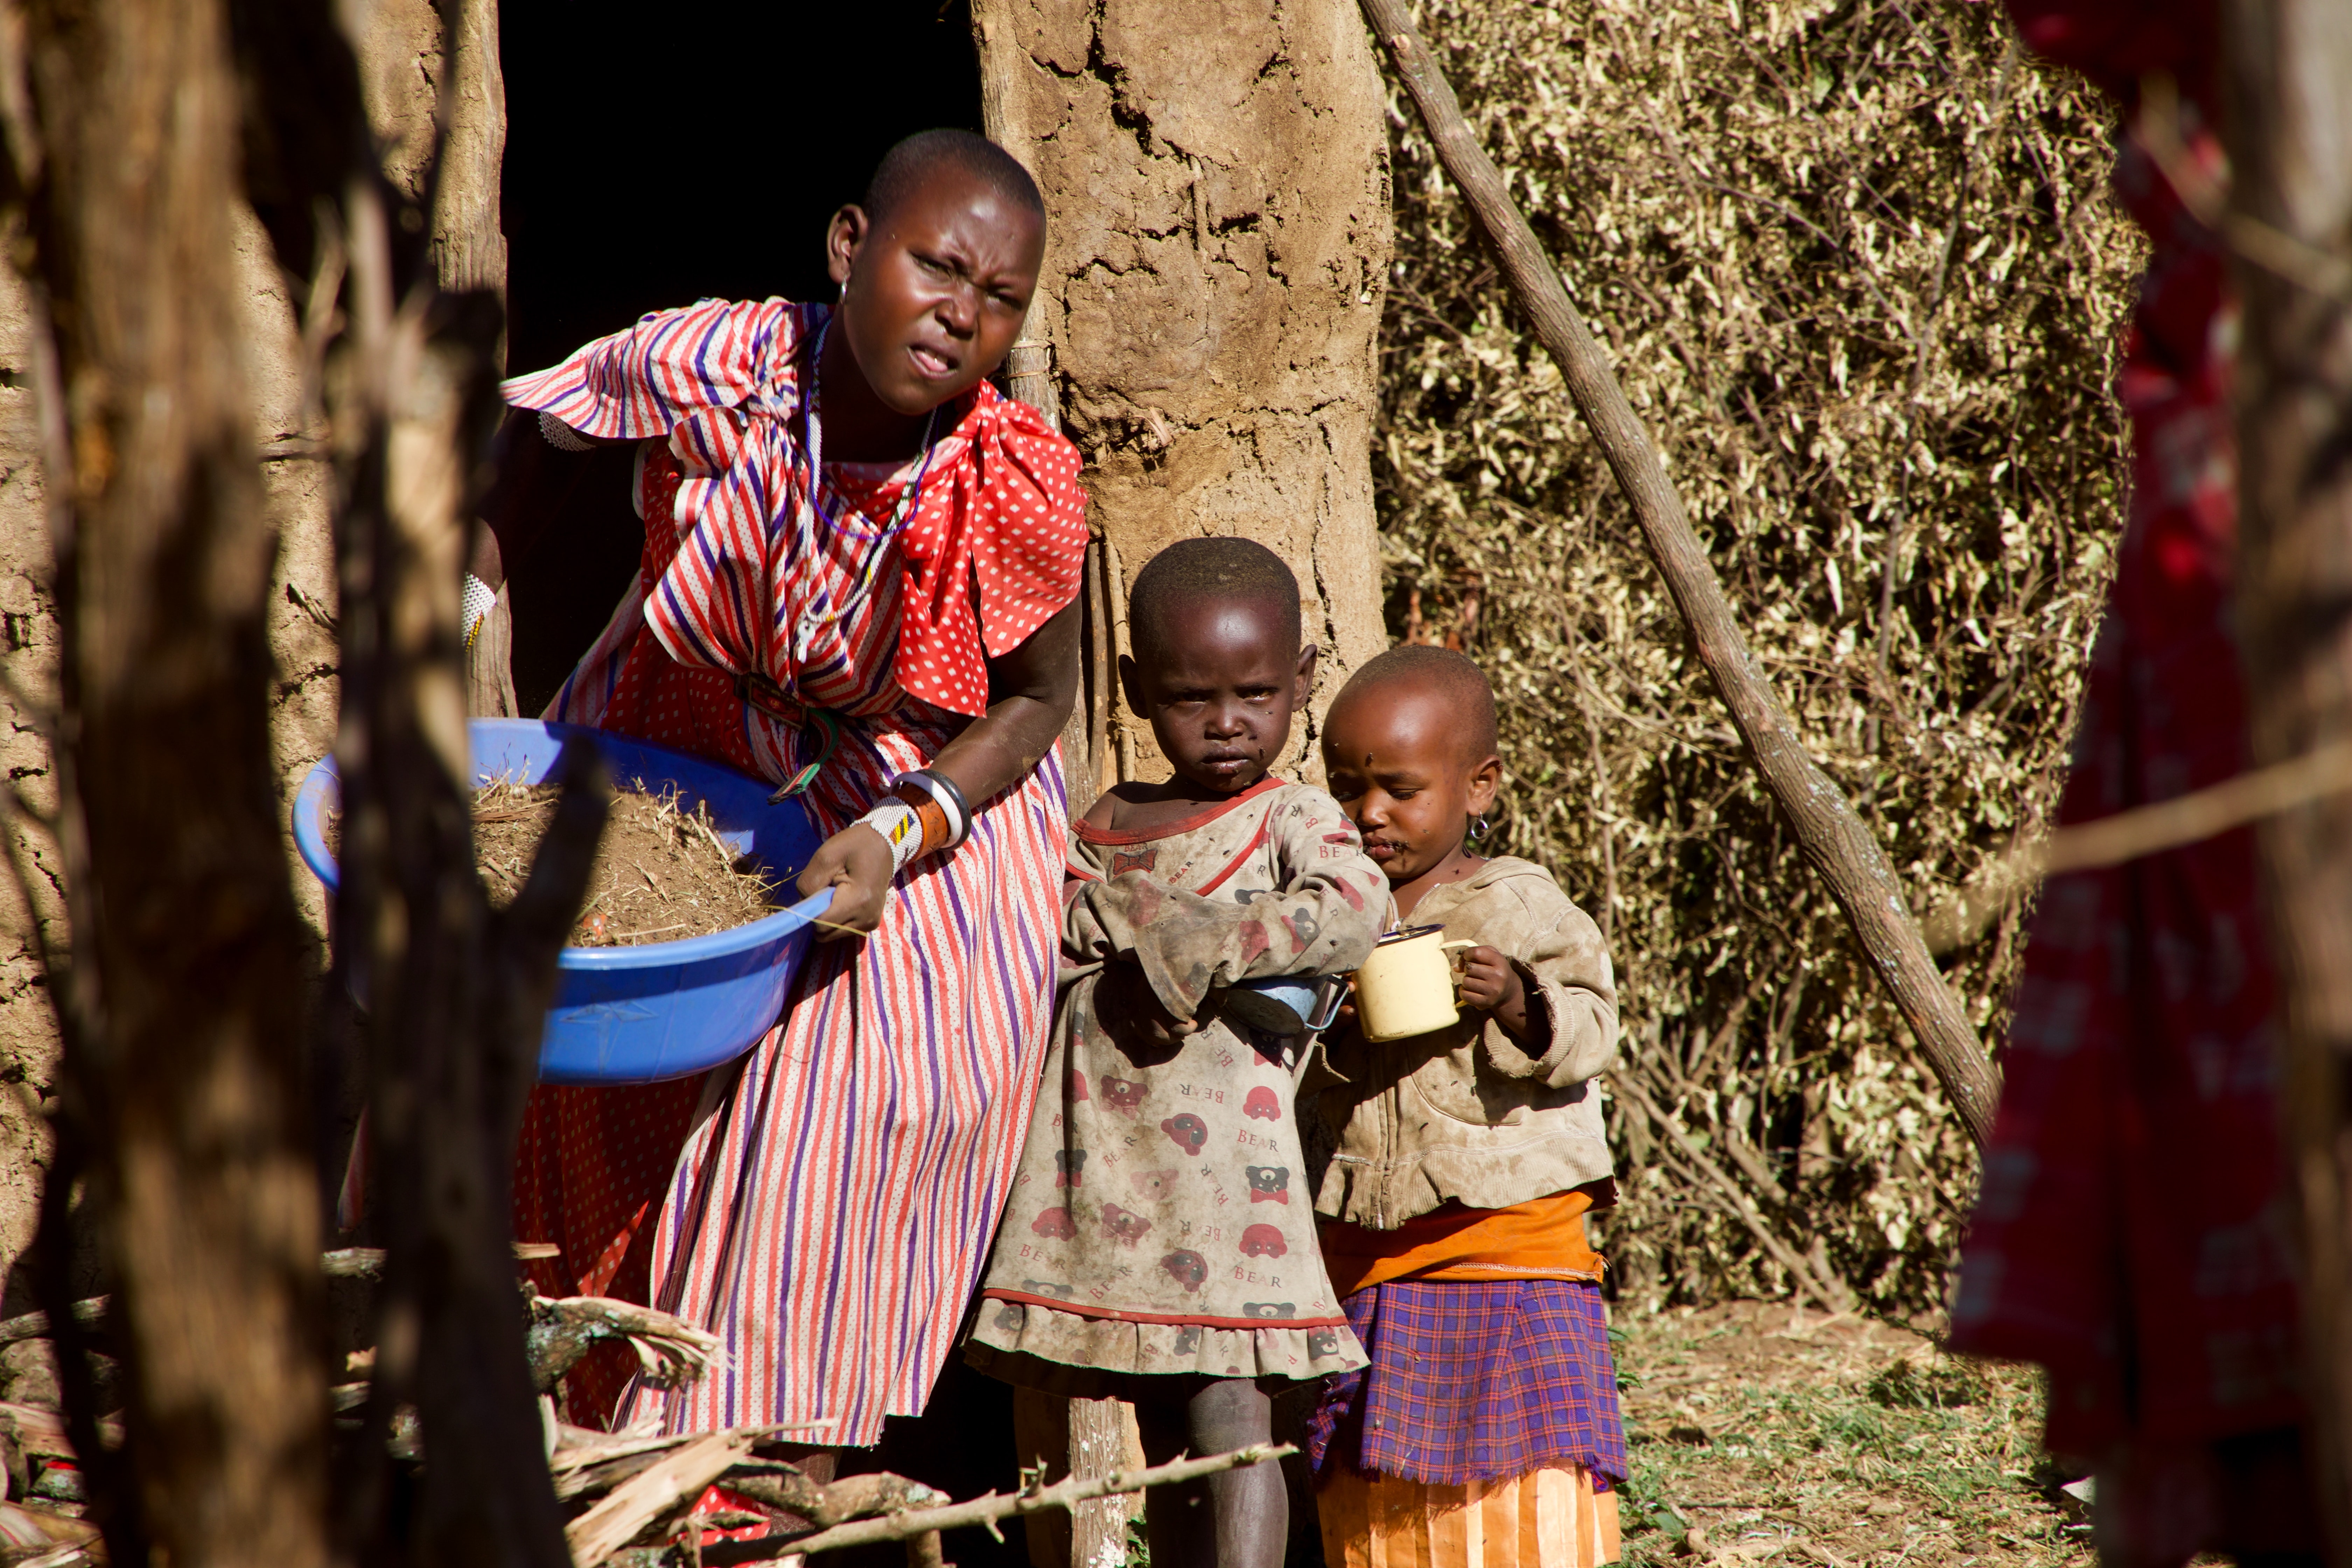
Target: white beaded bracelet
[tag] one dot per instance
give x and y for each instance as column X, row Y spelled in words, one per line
column 900, row 828
column 562, row 436
column 473, row 604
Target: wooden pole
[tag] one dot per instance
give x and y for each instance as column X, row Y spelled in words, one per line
column 1829, row 831
column 1030, row 378
column 457, row 994
column 1098, row 1427
column 1070, row 1494
column 2290, row 143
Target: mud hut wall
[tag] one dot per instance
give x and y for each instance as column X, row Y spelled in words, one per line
column 29, row 649
column 402, row 61
column 1218, row 174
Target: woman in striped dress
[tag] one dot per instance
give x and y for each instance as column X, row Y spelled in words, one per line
column 859, row 582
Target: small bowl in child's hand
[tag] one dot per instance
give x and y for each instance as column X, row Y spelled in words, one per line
column 1287, row 1003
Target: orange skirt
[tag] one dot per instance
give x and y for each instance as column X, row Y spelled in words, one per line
column 1552, row 1518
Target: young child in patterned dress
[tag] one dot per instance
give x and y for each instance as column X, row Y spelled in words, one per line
column 1159, row 1243
column 1485, row 1432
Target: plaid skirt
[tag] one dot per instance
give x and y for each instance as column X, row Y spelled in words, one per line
column 1475, row 1381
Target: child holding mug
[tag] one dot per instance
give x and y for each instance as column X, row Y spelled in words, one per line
column 1485, row 1432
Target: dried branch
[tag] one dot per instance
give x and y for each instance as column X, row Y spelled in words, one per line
column 678, row 1479
column 837, row 1502
column 2156, row 128
column 1830, row 1292
column 986, row 1511
column 2128, row 836
column 89, row 1314
column 670, row 1350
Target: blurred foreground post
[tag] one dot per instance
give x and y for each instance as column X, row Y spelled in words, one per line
column 1835, row 841
column 406, row 320
column 2288, row 84
column 183, row 1007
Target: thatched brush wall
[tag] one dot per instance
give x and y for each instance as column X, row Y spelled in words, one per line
column 1859, row 272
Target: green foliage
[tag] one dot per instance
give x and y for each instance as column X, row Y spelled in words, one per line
column 1859, row 273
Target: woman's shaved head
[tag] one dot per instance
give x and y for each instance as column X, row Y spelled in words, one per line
column 936, row 269
column 913, row 163
column 1460, row 682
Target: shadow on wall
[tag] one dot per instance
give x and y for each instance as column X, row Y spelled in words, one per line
column 658, row 157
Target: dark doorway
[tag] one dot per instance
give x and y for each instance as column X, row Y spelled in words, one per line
column 658, row 155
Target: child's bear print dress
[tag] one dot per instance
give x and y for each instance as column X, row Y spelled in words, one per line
column 1161, row 1221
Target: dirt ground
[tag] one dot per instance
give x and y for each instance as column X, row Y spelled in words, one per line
column 1761, row 1432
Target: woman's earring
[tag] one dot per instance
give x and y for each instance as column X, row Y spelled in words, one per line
column 1478, row 829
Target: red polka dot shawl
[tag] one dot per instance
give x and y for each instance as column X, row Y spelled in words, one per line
column 993, row 547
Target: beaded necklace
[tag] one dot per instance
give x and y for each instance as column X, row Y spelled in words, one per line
column 813, row 618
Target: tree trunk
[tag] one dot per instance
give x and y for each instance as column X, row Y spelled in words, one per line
column 183, row 1010
column 2290, row 142
column 1204, row 326
column 456, row 995
column 1217, row 172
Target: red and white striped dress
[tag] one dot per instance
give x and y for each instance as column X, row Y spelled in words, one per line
column 826, row 1206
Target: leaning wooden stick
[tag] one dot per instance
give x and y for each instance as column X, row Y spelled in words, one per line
column 987, row 1511
column 2128, row 835
column 1833, row 836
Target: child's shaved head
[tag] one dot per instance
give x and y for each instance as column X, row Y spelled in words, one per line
column 1462, row 683
column 1193, row 570
column 1217, row 668
column 1409, row 749
column 906, row 166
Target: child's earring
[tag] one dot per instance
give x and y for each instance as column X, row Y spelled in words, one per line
column 1478, row 829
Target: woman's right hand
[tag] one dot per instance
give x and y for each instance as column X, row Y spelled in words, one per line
column 855, row 864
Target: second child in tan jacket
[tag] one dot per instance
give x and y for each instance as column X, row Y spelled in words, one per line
column 1461, row 1165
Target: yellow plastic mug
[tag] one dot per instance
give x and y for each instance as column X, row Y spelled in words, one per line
column 1406, row 987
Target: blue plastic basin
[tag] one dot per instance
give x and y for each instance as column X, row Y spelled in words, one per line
column 639, row 1015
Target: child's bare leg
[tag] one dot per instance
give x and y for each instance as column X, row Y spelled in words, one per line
column 1238, row 1518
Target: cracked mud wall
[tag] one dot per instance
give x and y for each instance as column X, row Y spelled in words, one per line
column 28, row 646
column 403, row 59
column 302, row 697
column 1217, row 173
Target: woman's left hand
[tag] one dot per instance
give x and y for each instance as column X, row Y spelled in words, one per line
column 855, row 864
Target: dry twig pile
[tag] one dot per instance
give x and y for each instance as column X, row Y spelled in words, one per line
column 1860, row 275
column 662, row 872
column 631, row 1499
